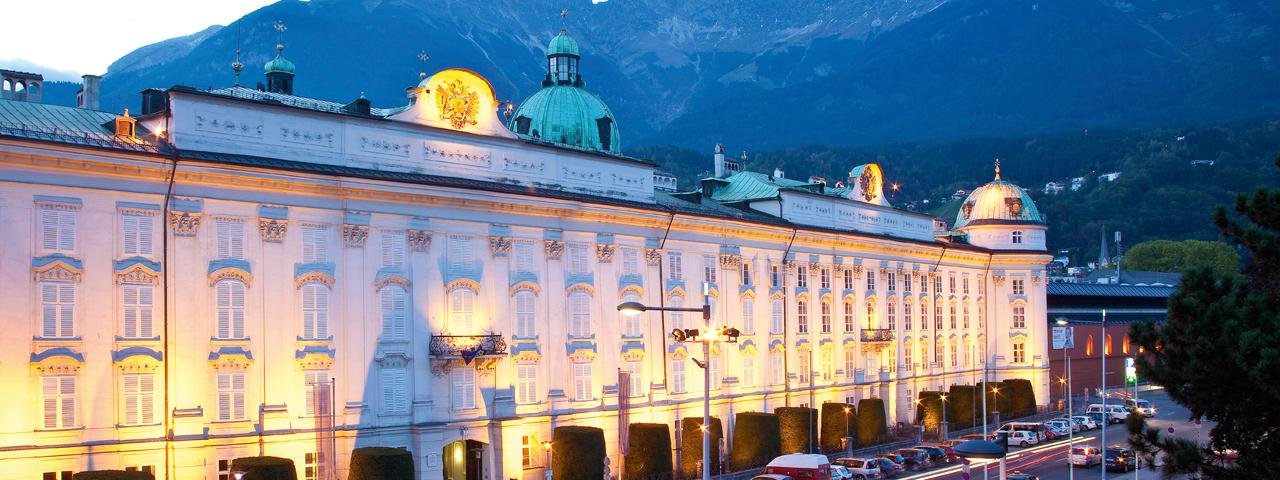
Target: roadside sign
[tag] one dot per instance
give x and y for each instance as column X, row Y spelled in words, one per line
column 1063, row 337
column 1130, row 371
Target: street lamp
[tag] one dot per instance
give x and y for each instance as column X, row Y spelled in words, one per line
column 546, row 445
column 706, row 336
column 1069, row 340
column 848, row 441
column 943, row 430
column 1106, row 420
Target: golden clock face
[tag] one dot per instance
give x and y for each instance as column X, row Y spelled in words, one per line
column 458, row 104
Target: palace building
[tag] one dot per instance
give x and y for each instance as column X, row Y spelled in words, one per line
column 237, row 272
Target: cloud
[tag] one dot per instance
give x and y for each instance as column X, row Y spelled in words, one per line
column 50, row 74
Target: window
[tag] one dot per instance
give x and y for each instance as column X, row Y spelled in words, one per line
column 713, row 371
column 1019, row 317
column 871, row 280
column 230, row 309
column 230, row 238
column 315, row 243
column 982, row 353
column 849, row 325
column 871, row 315
column 955, row 355
column 953, row 315
column 826, row 317
column 980, row 310
column 57, row 309
column 828, row 366
column 460, row 254
column 526, row 384
column 312, row 466
column 675, row 270
column 748, row 316
column 462, row 311
column 224, row 470
column 775, row 316
column 630, row 261
column 906, row 314
column 893, row 359
column 393, row 250
column 965, row 312
column 1124, row 344
column 464, row 388
column 525, row 314
column 709, row 269
column 135, row 236
column 892, row 281
column 907, row 350
column 951, row 284
column 677, row 318
column 579, row 315
column 63, row 475
column 775, row 277
column 937, row 284
column 315, row 311
column 802, row 276
column 748, row 364
column 139, row 394
column 746, row 274
column 892, row 313
column 316, row 385
column 59, row 401
column 582, row 382
column 906, row 282
column 965, row 284
column 848, row 279
column 57, row 230
column 1016, row 236
column 1019, row 352
column 939, row 348
column 527, row 455
column 924, row 284
column 850, row 363
column 802, row 316
column 394, row 310
column 968, row 354
column 1019, row 287
column 825, row 278
column 1088, row 346
column 231, row 396
column 777, row 370
column 924, row 315
column 395, row 389
column 577, row 254
column 937, row 315
column 805, row 369
column 1107, row 346
column 524, row 257
column 677, row 376
column 635, row 378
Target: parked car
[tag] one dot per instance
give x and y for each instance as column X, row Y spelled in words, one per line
column 1034, row 427
column 948, row 446
column 1059, row 428
column 839, row 472
column 974, row 436
column 1086, row 422
column 889, row 469
column 800, row 466
column 771, row 476
column 1143, row 406
column 1023, row 438
column 860, row 468
column 1016, row 475
column 1084, row 456
column 936, row 454
column 1118, row 412
column 1074, row 423
column 897, row 459
column 1120, row 459
column 914, row 459
column 1100, row 419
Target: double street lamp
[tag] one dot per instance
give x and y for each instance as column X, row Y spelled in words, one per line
column 706, row 336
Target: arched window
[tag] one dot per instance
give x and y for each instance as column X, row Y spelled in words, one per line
column 631, row 323
column 315, row 311
column 525, row 314
column 908, row 354
column 1088, row 346
column 826, row 317
column 1107, row 346
column 871, row 315
column 891, row 313
column 955, row 352
column 462, row 304
column 579, row 315
column 677, row 318
column 775, row 314
column 849, row 324
column 394, row 311
column 906, row 313
column 802, row 316
column 230, row 309
column 1124, row 344
column 748, row 315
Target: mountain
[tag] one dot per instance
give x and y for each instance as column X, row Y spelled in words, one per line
column 760, row 74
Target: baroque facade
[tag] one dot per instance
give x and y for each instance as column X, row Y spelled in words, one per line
column 182, row 287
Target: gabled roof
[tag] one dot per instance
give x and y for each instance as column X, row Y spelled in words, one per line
column 756, row 186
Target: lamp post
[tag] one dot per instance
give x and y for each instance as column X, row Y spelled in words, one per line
column 943, row 430
column 1106, row 416
column 546, row 445
column 706, row 337
column 848, row 441
column 1069, row 341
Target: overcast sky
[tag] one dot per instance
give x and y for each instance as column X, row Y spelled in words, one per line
column 64, row 39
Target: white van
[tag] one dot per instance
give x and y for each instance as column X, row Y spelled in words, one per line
column 1036, row 429
column 1118, row 412
column 1023, row 438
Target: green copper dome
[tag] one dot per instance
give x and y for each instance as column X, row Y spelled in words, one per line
column 568, row 115
column 562, row 44
column 278, row 64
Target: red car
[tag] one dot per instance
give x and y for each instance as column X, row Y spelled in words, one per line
column 946, row 446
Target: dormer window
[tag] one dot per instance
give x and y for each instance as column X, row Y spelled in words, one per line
column 1016, row 237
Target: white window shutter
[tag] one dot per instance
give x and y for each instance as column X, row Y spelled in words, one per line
column 129, row 234
column 66, row 313
column 49, row 229
column 67, row 391
column 145, row 229
column 49, row 309
column 146, row 305
column 322, row 311
column 146, row 397
column 224, row 396
column 50, row 395
column 309, row 310
column 237, row 386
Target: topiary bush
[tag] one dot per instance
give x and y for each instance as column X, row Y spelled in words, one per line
column 929, row 410
column 836, row 424
column 381, row 463
column 872, row 428
column 756, row 440
column 649, row 454
column 798, row 432
column 691, row 445
column 577, row 453
column 113, row 475
column 1022, row 398
column 265, row 468
column 962, row 406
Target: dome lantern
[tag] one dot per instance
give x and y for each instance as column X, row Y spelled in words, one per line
column 563, row 111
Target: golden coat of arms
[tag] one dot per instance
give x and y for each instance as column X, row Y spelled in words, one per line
column 869, row 184
column 458, row 104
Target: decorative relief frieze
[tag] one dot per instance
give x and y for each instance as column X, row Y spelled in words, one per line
column 554, row 249
column 215, row 123
column 525, row 166
column 1035, row 279
column 627, row 181
column 458, row 156
column 354, row 236
column 418, row 240
column 386, row 280
column 580, row 175
column 230, row 273
column 383, row 146
column 814, row 267
column 323, row 278
column 998, row 280
column 306, row 137
column 57, row 271
column 856, row 269
column 652, row 256
column 499, row 246
column 272, row 229
column 730, row 260
column 184, row 224
column 604, row 252
column 138, row 271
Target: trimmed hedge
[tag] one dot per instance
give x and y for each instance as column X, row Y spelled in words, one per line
column 113, row 475
column 381, row 463
column 929, row 410
column 962, row 406
column 997, row 401
column 1022, row 398
column 691, row 445
column 798, row 432
column 872, row 428
column 756, row 440
column 835, row 425
column 265, row 468
column 649, row 452
column 577, row 453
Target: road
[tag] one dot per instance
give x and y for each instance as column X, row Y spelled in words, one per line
column 1049, row 461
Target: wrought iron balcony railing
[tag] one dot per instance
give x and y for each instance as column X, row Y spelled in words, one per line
column 877, row 335
column 467, row 346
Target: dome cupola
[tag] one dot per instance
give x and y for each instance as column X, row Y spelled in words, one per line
column 1000, row 214
column 563, row 111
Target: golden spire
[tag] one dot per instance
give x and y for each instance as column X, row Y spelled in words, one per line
column 997, row 169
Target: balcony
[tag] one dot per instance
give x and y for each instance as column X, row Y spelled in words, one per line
column 448, row 351
column 876, row 339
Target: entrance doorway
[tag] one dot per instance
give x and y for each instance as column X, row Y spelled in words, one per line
column 464, row 460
